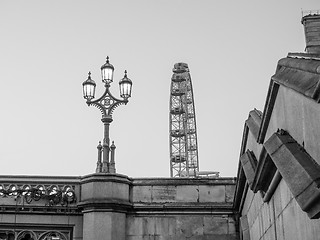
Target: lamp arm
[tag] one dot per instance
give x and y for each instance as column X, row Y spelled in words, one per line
column 116, row 104
column 107, row 103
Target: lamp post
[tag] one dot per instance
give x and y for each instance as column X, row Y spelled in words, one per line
column 106, row 104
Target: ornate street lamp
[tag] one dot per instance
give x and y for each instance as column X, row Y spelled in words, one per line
column 106, row 104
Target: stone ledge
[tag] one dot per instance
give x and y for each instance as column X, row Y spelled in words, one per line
column 268, row 108
column 249, row 165
column 36, row 180
column 116, row 205
column 183, row 181
column 240, row 189
column 106, row 177
column 253, row 122
column 301, row 75
column 298, row 169
column 45, row 210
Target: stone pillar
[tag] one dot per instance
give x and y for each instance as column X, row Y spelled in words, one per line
column 112, row 168
column 105, row 201
column 99, row 162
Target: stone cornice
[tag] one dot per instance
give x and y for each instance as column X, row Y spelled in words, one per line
column 106, row 177
column 184, row 181
column 108, row 204
column 40, row 210
column 268, row 108
column 182, row 208
column 301, row 75
column 240, row 188
column 29, row 179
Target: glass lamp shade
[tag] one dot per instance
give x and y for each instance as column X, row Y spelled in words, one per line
column 107, row 72
column 89, row 88
column 125, row 87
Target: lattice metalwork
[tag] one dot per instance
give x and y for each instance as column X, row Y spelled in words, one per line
column 183, row 133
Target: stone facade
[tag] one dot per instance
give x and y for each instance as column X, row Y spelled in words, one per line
column 277, row 194
column 114, row 206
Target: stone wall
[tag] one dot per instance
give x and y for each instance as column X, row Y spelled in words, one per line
column 280, row 216
column 182, row 209
column 279, row 219
column 181, row 227
column 183, row 190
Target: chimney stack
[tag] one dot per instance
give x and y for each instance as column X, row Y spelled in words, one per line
column 311, row 23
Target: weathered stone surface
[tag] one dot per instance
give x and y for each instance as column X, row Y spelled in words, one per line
column 253, row 122
column 181, row 227
column 300, row 171
column 311, row 129
column 97, row 226
column 232, row 226
column 230, row 191
column 280, row 228
column 289, row 226
column 189, row 226
column 246, row 235
column 275, row 142
column 134, row 226
column 142, row 194
column 212, row 193
column 270, row 234
column 215, row 225
column 110, row 187
column 252, row 145
column 309, row 200
column 249, row 165
column 187, row 193
column 255, row 230
column 164, row 193
column 161, row 226
column 244, row 225
column 265, row 217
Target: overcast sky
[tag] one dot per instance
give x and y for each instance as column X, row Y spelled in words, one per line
column 48, row 47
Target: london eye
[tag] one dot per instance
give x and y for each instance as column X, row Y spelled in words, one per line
column 184, row 160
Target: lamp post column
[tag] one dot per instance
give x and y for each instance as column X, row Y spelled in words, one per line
column 106, row 144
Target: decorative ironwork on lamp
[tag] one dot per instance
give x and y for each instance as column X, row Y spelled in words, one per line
column 106, row 104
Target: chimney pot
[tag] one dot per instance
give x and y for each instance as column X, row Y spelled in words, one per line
column 311, row 23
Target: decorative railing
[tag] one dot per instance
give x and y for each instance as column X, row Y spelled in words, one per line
column 34, row 234
column 52, row 194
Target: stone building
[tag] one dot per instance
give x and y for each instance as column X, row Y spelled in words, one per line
column 277, row 193
column 274, row 197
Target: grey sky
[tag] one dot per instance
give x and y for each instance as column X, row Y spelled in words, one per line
column 47, row 48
